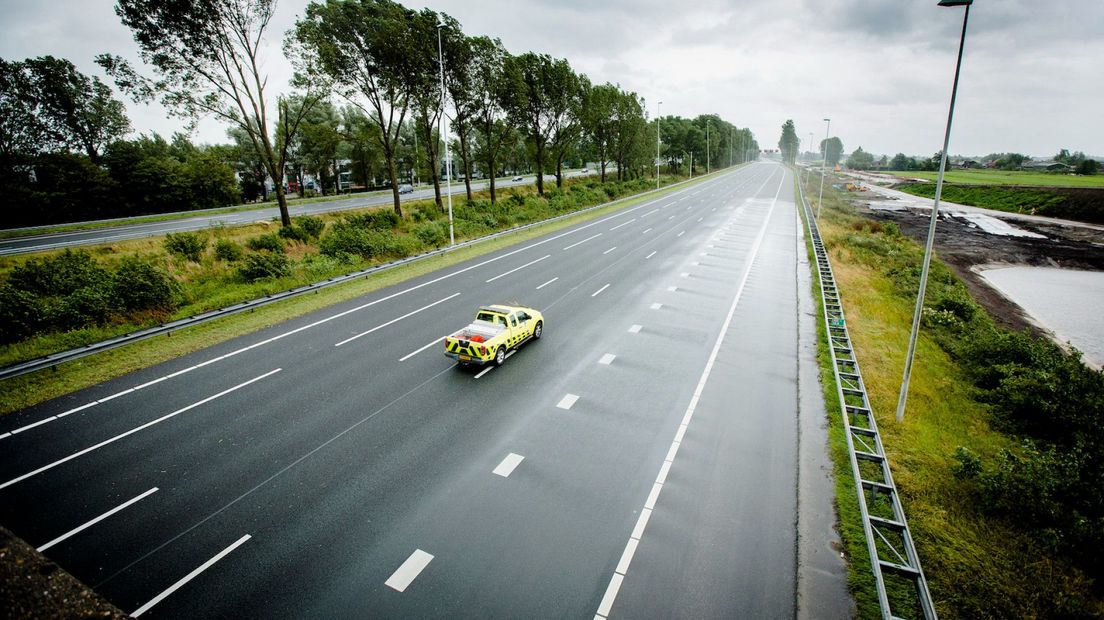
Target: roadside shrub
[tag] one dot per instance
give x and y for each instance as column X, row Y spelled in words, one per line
column 58, row 275
column 346, row 239
column 432, row 234
column 21, row 314
column 264, row 265
column 311, row 225
column 293, row 233
column 268, row 243
column 379, row 219
column 186, row 245
column 228, row 251
column 90, row 305
column 138, row 285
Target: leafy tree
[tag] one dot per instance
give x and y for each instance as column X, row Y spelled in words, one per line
column 600, row 123
column 459, row 53
column 631, row 136
column 69, row 109
column 320, row 138
column 207, row 56
column 860, row 160
column 427, row 97
column 830, row 150
column 789, row 143
column 367, row 48
column 900, row 161
column 492, row 101
column 545, row 92
column 1088, row 167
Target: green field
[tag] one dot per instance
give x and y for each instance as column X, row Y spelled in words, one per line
column 1007, row 177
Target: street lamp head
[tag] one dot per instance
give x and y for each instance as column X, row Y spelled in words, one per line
column 955, row 2
column 827, row 119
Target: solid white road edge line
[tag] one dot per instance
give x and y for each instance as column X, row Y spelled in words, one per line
column 89, row 524
column 410, row 355
column 409, row 571
column 502, row 275
column 646, row 513
column 136, row 429
column 176, row 586
column 508, row 464
column 397, row 319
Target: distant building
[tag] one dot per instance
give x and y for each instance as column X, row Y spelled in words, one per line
column 1047, row 165
column 968, row 163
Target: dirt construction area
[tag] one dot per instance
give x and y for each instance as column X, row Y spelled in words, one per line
column 967, row 238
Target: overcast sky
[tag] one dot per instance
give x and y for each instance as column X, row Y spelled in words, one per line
column 880, row 69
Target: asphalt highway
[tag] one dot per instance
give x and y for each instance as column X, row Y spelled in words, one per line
column 52, row 241
column 640, row 460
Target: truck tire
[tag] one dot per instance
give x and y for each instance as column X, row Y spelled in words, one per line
column 500, row 356
column 538, row 329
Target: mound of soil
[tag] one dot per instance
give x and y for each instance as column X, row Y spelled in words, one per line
column 1068, row 246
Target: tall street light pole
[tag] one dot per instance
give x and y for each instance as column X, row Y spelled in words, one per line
column 823, row 165
column 934, row 216
column 444, row 134
column 659, row 106
column 706, row 148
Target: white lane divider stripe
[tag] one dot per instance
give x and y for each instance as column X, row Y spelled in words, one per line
column 672, row 289
column 649, row 213
column 646, row 513
column 548, row 282
column 607, row 359
column 484, row 371
column 624, row 224
column 635, row 329
column 135, row 430
column 397, row 319
column 656, row 306
column 599, row 291
column 646, row 231
column 681, row 233
column 89, row 524
column 583, row 241
column 409, row 571
column 176, row 586
column 651, row 255
column 567, row 401
column 609, row 250
column 412, row 354
column 508, row 465
column 534, row 262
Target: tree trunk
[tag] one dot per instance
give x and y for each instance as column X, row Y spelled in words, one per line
column 559, row 171
column 540, row 168
column 465, row 159
column 281, row 199
column 603, row 171
column 393, row 175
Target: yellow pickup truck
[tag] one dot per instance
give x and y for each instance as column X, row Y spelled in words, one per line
column 494, row 332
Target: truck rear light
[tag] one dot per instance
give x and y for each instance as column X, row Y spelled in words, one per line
column 482, row 350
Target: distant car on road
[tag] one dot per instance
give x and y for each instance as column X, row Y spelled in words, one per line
column 406, row 188
column 584, row 171
column 517, row 178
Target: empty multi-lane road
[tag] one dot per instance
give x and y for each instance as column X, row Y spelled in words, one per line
column 641, row 460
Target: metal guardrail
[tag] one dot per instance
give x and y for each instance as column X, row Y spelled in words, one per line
column 888, row 539
column 51, row 361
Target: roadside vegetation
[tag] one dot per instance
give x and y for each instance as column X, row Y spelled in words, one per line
column 1000, row 459
column 1005, row 177
column 1081, row 205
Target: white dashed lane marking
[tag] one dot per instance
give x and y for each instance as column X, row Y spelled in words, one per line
column 607, row 359
column 567, row 401
column 508, row 464
column 409, row 571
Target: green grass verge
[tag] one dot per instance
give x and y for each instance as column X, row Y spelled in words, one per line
column 1041, row 201
column 22, row 392
column 977, row 565
column 1006, row 177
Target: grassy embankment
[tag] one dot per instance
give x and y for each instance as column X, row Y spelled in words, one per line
column 213, row 282
column 1006, row 177
column 980, row 557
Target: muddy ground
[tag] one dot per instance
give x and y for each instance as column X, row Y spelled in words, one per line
column 964, row 247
